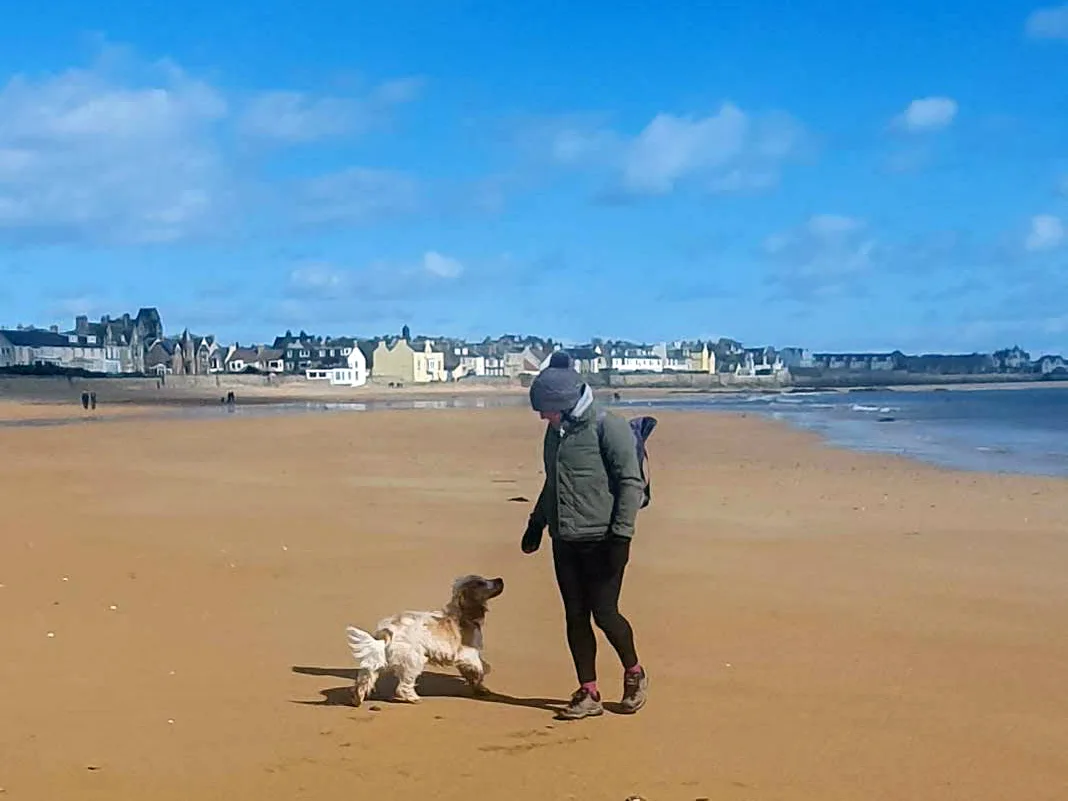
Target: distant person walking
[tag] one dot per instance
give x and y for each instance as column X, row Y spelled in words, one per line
column 591, row 496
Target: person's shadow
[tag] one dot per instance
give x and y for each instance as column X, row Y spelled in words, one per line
column 430, row 685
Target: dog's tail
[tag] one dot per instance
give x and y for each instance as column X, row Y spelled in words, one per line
column 368, row 650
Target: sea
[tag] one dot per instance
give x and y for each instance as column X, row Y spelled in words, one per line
column 1022, row 431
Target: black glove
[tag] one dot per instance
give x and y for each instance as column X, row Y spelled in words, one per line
column 532, row 537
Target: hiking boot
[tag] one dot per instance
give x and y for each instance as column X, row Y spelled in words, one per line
column 635, row 688
column 584, row 704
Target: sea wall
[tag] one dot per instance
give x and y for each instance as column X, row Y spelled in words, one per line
column 836, row 379
column 136, row 389
column 131, row 388
column 679, row 380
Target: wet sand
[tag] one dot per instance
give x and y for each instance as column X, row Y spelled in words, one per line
column 817, row 624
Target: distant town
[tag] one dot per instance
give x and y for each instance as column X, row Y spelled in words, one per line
column 136, row 345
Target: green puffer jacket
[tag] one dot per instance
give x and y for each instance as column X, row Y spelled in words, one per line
column 593, row 485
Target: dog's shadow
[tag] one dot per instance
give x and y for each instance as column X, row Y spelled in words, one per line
column 429, row 685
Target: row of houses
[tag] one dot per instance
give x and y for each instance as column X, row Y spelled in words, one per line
column 113, row 345
column 137, row 345
column 1006, row 361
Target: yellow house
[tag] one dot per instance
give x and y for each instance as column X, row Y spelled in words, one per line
column 703, row 360
column 429, row 364
column 400, row 362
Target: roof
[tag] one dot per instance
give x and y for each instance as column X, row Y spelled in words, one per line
column 166, row 345
column 35, row 338
column 243, row 355
column 853, row 355
column 583, row 354
column 633, row 353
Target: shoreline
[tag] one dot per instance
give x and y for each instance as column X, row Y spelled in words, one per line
column 116, row 391
column 185, row 406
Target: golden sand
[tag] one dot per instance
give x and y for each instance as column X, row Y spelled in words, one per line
column 817, row 624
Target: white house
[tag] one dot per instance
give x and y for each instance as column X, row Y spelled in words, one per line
column 264, row 360
column 353, row 374
column 31, row 347
column 1051, row 364
column 468, row 362
column 756, row 362
column 636, row 359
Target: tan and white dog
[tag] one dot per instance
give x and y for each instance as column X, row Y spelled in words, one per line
column 407, row 642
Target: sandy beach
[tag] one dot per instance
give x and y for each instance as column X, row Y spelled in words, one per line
column 817, row 624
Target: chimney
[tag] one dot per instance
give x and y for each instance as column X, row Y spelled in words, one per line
column 54, row 329
column 81, row 324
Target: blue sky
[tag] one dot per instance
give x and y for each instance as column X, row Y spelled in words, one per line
column 832, row 175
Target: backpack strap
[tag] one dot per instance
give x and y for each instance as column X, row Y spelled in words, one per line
column 639, row 443
column 600, row 431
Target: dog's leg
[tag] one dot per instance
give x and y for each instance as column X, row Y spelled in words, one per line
column 408, row 672
column 365, row 685
column 472, row 668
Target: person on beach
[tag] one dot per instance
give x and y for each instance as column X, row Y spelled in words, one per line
column 590, row 499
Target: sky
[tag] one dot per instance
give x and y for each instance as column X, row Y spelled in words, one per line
column 831, row 175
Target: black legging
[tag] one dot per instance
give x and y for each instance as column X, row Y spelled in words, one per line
column 590, row 576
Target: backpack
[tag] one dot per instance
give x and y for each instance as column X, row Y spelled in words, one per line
column 640, row 427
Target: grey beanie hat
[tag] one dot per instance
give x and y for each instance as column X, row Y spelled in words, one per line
column 558, row 387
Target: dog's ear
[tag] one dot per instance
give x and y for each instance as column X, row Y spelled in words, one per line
column 463, row 584
column 469, row 598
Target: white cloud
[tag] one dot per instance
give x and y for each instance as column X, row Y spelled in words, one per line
column 729, row 150
column 296, row 117
column 928, row 114
column 441, row 266
column 671, row 147
column 318, row 278
column 822, row 256
column 86, row 158
column 356, row 195
column 1047, row 232
column 1048, row 23
column 578, row 147
column 324, row 280
column 832, row 226
column 123, row 152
